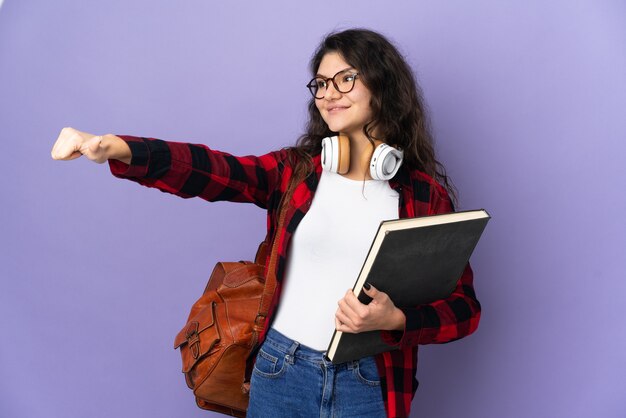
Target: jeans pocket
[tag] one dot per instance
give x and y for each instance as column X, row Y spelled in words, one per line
column 269, row 363
column 366, row 371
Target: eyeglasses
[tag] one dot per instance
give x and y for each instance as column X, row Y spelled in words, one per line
column 343, row 81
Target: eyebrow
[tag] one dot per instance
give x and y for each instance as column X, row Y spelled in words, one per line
column 340, row 71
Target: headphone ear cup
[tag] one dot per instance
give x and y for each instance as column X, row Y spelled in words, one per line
column 326, row 153
column 336, row 154
column 385, row 162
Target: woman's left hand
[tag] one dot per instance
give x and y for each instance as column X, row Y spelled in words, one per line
column 380, row 314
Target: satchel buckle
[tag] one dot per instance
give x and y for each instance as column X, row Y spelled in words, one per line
column 193, row 339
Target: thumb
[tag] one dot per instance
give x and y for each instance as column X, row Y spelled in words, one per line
column 91, row 145
column 370, row 290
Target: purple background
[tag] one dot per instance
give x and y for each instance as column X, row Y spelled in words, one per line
column 528, row 103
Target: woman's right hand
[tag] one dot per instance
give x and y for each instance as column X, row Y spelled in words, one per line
column 73, row 143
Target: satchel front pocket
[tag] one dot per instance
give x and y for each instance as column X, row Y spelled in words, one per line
column 198, row 337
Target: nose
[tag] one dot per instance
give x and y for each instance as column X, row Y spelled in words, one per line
column 331, row 91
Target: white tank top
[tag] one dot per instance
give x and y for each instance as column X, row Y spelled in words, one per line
column 327, row 252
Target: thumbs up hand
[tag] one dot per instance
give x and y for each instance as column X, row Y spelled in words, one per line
column 73, row 143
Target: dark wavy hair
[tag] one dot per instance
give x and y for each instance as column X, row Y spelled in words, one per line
column 398, row 110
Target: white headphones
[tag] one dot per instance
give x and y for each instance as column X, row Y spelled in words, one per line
column 384, row 164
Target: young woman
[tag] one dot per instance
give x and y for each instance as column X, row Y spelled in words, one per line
column 362, row 89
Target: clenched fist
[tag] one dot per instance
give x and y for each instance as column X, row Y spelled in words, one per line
column 73, row 143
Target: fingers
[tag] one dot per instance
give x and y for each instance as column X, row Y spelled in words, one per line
column 340, row 325
column 67, row 145
column 378, row 297
column 74, row 156
column 343, row 322
column 353, row 316
column 351, row 313
column 345, row 326
column 351, row 305
column 372, row 291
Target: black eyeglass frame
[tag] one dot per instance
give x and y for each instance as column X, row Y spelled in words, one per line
column 313, row 85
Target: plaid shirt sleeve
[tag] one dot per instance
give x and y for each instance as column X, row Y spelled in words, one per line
column 446, row 319
column 190, row 170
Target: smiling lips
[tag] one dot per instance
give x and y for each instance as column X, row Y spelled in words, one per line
column 334, row 109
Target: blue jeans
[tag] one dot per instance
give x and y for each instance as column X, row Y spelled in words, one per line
column 293, row 380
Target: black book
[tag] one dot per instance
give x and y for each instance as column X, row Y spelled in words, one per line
column 415, row 261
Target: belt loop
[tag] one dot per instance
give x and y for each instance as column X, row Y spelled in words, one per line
column 291, row 351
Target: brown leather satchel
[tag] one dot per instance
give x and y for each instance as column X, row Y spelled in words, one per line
column 222, row 332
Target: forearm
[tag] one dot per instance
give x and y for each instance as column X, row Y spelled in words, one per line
column 189, row 170
column 116, row 148
column 442, row 321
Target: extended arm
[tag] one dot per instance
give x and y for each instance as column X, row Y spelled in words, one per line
column 187, row 170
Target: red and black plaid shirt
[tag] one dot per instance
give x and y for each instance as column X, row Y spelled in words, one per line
column 189, row 170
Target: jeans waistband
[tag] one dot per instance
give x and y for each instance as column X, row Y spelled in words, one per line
column 297, row 350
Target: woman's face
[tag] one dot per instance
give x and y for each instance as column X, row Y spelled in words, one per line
column 346, row 113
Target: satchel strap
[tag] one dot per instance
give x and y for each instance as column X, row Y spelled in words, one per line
column 270, row 280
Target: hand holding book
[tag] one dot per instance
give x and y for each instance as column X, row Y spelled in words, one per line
column 379, row 314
